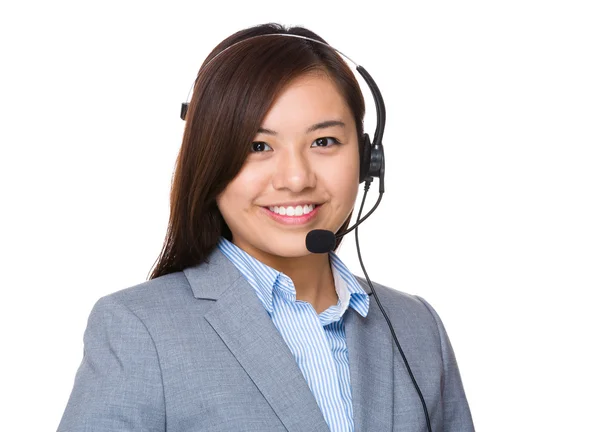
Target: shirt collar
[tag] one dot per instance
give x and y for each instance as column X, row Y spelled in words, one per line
column 263, row 279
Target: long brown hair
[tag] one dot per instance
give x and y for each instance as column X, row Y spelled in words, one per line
column 231, row 97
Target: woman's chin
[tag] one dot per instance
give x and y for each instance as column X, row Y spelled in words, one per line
column 286, row 246
column 295, row 250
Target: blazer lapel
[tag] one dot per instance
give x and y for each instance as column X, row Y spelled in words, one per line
column 371, row 355
column 246, row 328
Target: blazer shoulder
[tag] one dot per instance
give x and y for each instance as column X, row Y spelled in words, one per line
column 155, row 294
column 394, row 297
column 405, row 309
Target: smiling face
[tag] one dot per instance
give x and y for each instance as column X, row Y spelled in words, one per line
column 302, row 172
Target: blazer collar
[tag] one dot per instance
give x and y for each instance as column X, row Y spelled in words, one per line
column 246, row 328
column 209, row 280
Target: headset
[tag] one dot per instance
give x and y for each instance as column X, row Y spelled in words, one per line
column 372, row 165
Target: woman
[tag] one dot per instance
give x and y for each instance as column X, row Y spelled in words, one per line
column 240, row 327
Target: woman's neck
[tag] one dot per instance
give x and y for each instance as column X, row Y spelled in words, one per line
column 313, row 279
column 311, row 275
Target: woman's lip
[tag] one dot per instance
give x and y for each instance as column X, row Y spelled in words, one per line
column 292, row 220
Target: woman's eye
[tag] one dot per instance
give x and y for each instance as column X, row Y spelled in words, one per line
column 324, row 142
column 260, row 146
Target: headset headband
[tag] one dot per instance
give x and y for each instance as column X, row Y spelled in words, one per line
column 379, row 104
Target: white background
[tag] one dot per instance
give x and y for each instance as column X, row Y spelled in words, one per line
column 492, row 204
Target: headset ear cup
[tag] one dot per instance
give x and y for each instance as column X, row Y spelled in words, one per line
column 365, row 157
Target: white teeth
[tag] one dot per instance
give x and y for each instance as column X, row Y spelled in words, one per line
column 292, row 211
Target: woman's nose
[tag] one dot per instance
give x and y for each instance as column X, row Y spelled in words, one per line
column 294, row 172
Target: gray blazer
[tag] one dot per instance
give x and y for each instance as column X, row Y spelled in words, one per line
column 196, row 351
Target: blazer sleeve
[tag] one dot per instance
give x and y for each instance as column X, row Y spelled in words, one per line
column 118, row 386
column 456, row 412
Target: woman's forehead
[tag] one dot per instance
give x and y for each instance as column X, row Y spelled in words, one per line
column 306, row 102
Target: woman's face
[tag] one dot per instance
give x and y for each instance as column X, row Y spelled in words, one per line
column 302, row 173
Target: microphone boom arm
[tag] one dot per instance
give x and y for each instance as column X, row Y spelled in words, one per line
column 358, row 222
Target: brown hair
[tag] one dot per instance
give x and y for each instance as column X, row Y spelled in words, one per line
column 231, row 97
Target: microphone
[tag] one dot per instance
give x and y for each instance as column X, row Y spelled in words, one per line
column 320, row 241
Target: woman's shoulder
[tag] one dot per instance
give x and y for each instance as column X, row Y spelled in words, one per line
column 151, row 297
column 173, row 294
column 403, row 308
column 395, row 297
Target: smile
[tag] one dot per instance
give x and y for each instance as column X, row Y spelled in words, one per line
column 298, row 210
column 293, row 215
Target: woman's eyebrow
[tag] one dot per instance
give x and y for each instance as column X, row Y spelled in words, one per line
column 317, row 126
column 325, row 125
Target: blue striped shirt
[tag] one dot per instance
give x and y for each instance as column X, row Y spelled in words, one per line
column 317, row 341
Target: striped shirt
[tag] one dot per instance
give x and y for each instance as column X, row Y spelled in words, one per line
column 317, row 341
